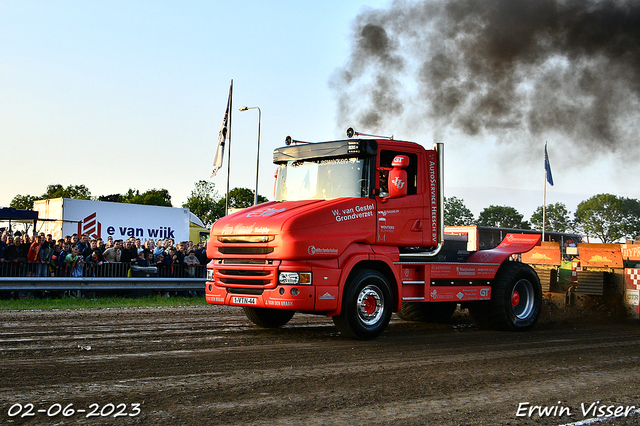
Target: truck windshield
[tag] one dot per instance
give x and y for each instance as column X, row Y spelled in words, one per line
column 322, row 179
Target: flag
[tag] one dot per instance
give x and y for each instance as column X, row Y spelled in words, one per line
column 547, row 166
column 225, row 133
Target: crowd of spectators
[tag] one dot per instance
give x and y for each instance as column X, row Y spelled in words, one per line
column 80, row 255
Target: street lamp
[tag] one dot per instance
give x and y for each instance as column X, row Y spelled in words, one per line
column 244, row 108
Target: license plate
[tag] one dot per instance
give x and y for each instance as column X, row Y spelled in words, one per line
column 244, row 300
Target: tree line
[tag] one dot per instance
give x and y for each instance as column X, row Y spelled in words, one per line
column 607, row 217
column 204, row 201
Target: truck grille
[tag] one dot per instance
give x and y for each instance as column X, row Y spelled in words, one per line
column 245, row 250
column 246, row 274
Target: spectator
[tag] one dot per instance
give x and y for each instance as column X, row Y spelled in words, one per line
column 3, row 248
column 100, row 245
column 141, row 260
column 159, row 250
column 180, row 247
column 168, row 244
column 17, row 255
column 113, row 254
column 150, row 246
column 46, row 251
column 83, row 244
column 149, row 256
column 54, row 267
column 172, row 263
column 33, row 255
column 191, row 261
column 160, row 264
column 62, row 256
column 73, row 263
column 92, row 262
column 93, row 246
column 201, row 253
column 129, row 252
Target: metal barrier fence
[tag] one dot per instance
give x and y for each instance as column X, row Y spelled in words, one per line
column 59, row 284
column 111, row 270
column 27, row 276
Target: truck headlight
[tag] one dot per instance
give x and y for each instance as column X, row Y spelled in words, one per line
column 209, row 274
column 293, row 278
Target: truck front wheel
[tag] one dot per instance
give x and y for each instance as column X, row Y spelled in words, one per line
column 516, row 299
column 267, row 317
column 366, row 306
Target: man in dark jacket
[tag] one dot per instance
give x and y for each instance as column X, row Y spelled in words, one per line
column 16, row 255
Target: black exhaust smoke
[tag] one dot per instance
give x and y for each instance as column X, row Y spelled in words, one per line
column 568, row 69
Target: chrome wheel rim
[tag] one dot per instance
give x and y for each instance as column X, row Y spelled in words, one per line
column 522, row 299
column 370, row 305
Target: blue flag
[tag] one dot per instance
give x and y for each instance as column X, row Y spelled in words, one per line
column 547, row 167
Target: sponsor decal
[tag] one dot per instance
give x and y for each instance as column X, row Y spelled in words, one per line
column 90, row 225
column 386, row 212
column 434, row 294
column 398, row 183
column 466, row 271
column 265, row 212
column 242, row 229
column 598, row 258
column 484, row 292
column 312, row 250
column 540, row 256
column 487, row 257
column 279, row 303
column 326, row 296
column 357, row 212
column 433, row 200
column 460, row 295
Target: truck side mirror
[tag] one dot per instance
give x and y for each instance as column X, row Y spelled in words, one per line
column 398, row 177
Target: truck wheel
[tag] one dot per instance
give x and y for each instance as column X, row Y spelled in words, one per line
column 516, row 299
column 267, row 317
column 366, row 306
column 427, row 312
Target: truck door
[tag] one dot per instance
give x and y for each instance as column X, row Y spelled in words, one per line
column 399, row 220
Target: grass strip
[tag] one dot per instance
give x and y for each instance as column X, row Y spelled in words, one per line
column 34, row 303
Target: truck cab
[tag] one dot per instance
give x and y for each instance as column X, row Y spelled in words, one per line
column 354, row 233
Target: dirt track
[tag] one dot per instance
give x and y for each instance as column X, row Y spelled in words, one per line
column 207, row 365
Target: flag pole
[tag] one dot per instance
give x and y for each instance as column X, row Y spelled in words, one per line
column 223, row 136
column 226, row 205
column 548, row 177
column 544, row 199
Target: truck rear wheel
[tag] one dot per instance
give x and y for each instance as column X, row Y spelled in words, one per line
column 366, row 306
column 516, row 299
column 427, row 312
column 267, row 317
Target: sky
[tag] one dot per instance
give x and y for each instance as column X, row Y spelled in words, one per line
column 116, row 95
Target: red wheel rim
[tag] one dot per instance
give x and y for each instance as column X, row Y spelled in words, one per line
column 370, row 305
column 515, row 298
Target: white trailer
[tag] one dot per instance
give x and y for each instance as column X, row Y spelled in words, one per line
column 66, row 216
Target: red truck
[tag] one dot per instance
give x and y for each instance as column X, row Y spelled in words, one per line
column 356, row 233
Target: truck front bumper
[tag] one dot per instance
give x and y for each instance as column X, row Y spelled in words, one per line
column 294, row 297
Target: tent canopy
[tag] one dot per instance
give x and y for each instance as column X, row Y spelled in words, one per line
column 17, row 215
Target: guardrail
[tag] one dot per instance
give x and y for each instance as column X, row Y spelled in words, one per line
column 100, row 283
column 107, row 276
column 112, row 270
